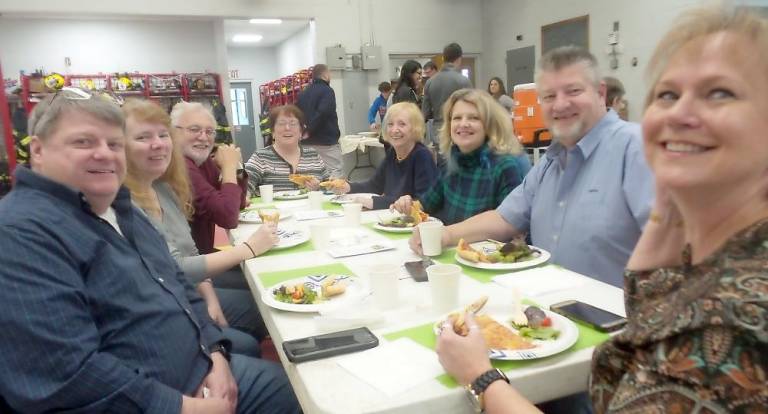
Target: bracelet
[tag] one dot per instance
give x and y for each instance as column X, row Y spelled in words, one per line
column 253, row 252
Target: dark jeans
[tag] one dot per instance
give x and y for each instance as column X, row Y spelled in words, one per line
column 572, row 404
column 231, row 279
column 262, row 387
column 246, row 327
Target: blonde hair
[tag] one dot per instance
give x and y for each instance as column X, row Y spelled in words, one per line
column 700, row 22
column 176, row 174
column 415, row 118
column 496, row 121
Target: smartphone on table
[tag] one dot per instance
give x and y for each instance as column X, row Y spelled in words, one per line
column 328, row 345
column 418, row 269
column 600, row 319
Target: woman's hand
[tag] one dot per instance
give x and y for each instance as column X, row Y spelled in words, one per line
column 312, row 184
column 464, row 358
column 663, row 238
column 341, row 188
column 264, row 238
column 403, row 204
column 365, row 200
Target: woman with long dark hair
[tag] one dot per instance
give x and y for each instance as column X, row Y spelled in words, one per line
column 410, row 77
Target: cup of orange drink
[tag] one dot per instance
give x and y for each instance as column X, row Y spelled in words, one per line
column 269, row 216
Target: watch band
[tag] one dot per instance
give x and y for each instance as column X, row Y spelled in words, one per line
column 219, row 347
column 481, row 383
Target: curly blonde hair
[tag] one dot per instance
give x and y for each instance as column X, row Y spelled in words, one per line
column 176, row 174
column 496, row 121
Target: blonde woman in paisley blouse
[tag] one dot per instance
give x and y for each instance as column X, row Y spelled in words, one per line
column 697, row 282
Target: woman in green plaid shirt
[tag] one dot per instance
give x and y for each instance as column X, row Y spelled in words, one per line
column 485, row 160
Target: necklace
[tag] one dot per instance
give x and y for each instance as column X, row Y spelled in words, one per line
column 401, row 159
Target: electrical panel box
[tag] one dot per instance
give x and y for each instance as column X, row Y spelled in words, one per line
column 371, row 57
column 336, row 57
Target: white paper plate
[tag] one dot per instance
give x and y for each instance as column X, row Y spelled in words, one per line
column 347, row 198
column 569, row 334
column 290, row 237
column 490, row 247
column 252, row 216
column 369, row 134
column 390, row 229
column 290, row 195
column 355, row 291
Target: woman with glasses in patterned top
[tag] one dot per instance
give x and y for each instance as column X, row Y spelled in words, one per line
column 484, row 163
column 273, row 165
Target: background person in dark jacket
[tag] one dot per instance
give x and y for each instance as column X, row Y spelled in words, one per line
column 318, row 103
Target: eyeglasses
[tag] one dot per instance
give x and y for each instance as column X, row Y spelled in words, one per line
column 196, row 130
column 77, row 94
column 287, row 124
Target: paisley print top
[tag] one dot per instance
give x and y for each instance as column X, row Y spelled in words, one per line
column 697, row 336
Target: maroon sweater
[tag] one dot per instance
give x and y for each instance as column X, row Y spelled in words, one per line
column 215, row 203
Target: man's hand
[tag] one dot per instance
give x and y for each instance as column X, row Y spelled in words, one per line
column 220, row 383
column 228, row 156
column 191, row 405
column 464, row 358
column 403, row 204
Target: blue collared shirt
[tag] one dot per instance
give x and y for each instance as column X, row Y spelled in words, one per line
column 93, row 321
column 587, row 205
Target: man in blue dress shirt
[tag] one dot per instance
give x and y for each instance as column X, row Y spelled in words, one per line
column 588, row 199
column 96, row 315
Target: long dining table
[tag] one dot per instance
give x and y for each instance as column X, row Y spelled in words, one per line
column 409, row 380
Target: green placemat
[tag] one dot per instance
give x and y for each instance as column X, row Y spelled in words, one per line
column 389, row 234
column 270, row 279
column 424, row 336
column 327, row 205
column 303, row 247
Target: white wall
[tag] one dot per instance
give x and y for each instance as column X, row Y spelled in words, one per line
column 295, row 53
column 106, row 45
column 641, row 26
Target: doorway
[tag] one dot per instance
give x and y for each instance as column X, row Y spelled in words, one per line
column 243, row 124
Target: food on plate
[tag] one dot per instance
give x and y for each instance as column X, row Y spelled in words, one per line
column 514, row 251
column 414, row 218
column 300, row 179
column 457, row 318
column 537, row 325
column 498, row 336
column 297, row 294
column 334, row 183
column 332, row 287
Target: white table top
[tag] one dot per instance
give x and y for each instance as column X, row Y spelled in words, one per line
column 323, row 386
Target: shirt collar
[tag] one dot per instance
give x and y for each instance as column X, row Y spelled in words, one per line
column 588, row 142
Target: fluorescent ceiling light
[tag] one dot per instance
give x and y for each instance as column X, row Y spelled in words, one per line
column 247, row 38
column 266, row 21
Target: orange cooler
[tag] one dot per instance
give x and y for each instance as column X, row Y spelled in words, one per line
column 527, row 117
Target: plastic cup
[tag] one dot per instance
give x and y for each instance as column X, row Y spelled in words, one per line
column 352, row 213
column 321, row 235
column 431, row 233
column 444, row 286
column 316, row 199
column 383, row 280
column 266, row 193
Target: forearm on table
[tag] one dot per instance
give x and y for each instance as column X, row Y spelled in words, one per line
column 501, row 398
column 218, row 262
column 487, row 225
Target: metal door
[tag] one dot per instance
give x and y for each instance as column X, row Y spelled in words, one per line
column 355, row 102
column 243, row 122
column 520, row 66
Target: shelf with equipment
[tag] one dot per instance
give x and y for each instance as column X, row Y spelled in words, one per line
column 278, row 92
column 7, row 143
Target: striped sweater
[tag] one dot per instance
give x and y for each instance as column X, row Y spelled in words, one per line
column 266, row 166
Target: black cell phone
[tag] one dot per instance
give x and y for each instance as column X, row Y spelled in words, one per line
column 328, row 345
column 418, row 269
column 600, row 319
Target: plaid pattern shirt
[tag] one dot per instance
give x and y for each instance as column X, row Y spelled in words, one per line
column 471, row 184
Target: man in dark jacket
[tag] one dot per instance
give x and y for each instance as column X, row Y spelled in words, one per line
column 318, row 102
